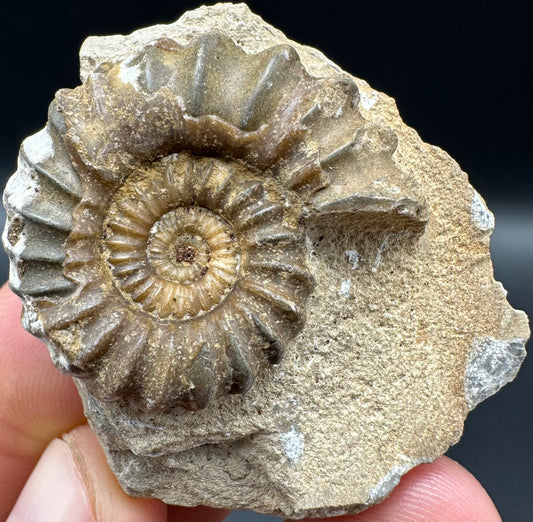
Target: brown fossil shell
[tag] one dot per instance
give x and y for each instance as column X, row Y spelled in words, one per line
column 157, row 224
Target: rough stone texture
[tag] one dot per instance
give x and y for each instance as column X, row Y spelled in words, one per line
column 404, row 335
column 406, row 331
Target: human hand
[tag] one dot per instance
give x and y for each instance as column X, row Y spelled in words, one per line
column 53, row 468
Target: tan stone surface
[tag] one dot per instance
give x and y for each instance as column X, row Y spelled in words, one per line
column 406, row 331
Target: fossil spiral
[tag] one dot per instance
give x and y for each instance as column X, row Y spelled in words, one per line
column 157, row 224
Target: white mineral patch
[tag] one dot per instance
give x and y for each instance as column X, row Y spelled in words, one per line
column 368, row 101
column 62, row 362
column 491, row 364
column 21, row 187
column 292, row 444
column 377, row 259
column 353, row 258
column 14, row 279
column 345, row 288
column 17, row 249
column 481, row 215
column 130, row 74
column 390, row 480
column 39, row 147
column 30, row 320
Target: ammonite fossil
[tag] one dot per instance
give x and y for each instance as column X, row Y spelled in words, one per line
column 158, row 221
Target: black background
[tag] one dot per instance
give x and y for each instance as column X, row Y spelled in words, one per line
column 461, row 75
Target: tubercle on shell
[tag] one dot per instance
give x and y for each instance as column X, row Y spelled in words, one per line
column 173, row 203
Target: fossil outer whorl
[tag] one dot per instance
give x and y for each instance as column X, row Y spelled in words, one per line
column 173, row 199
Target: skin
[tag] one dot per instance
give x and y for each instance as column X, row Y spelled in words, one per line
column 53, row 468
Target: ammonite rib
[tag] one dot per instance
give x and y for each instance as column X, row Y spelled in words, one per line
column 120, row 363
column 173, row 195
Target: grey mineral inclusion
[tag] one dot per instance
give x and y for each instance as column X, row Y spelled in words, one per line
column 259, row 277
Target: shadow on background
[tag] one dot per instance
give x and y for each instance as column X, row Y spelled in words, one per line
column 461, row 75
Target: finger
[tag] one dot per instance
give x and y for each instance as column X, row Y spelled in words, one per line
column 440, row 491
column 72, row 481
column 196, row 514
column 37, row 403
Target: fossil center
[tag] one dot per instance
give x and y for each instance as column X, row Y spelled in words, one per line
column 188, row 242
column 170, row 249
column 185, row 254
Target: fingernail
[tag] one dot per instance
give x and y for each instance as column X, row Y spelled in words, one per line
column 54, row 491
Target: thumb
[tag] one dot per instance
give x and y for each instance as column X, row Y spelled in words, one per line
column 72, row 481
column 436, row 492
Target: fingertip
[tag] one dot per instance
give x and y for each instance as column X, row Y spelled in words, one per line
column 37, row 404
column 442, row 491
column 107, row 498
column 10, row 310
column 54, row 490
column 72, row 481
column 37, row 399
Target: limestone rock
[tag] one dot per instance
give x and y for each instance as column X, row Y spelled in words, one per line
column 405, row 330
